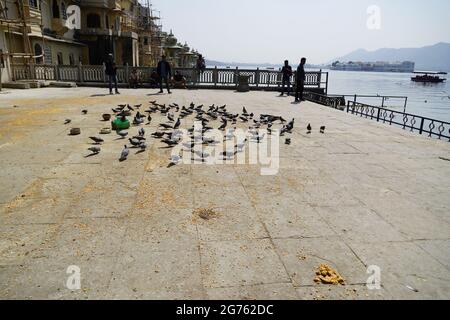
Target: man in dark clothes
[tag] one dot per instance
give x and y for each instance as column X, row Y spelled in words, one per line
column 287, row 74
column 165, row 73
column 300, row 81
column 111, row 72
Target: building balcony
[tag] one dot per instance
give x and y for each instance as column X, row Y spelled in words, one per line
column 103, row 32
column 107, row 4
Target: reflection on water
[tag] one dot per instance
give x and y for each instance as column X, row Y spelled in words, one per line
column 429, row 100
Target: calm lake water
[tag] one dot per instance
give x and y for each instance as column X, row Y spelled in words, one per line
column 429, row 100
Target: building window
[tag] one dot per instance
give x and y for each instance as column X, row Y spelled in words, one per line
column 38, row 52
column 60, row 58
column 34, row 3
column 55, row 10
column 145, row 41
column 107, row 22
column 93, row 20
column 71, row 59
column 63, row 11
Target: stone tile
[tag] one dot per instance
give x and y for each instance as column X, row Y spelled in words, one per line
column 46, row 278
column 245, row 262
column 359, row 223
column 405, row 264
column 164, row 230
column 19, row 242
column 155, row 275
column 85, row 237
column 231, row 223
column 277, row 291
column 294, row 220
column 335, row 292
column 35, row 211
column 303, row 256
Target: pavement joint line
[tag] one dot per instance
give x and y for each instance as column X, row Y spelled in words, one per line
column 267, row 232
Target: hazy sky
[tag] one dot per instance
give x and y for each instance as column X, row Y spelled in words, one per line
column 272, row 30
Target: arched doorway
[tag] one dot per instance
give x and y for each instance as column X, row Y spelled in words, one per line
column 38, row 52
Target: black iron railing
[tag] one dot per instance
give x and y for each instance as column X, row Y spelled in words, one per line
column 414, row 123
column 337, row 102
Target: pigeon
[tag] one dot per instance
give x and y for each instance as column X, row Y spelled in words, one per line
column 223, row 126
column 177, row 124
column 134, row 142
column 240, row 146
column 123, row 134
column 244, row 111
column 174, row 160
column 141, row 132
column 259, row 138
column 166, row 126
column 143, row 146
column 309, row 128
column 67, row 121
column 322, row 129
column 84, row 112
column 124, row 154
column 158, row 134
column 130, row 108
column 288, row 141
column 149, row 119
column 97, row 140
column 170, row 116
column 138, row 106
column 95, row 150
column 170, row 142
column 229, row 154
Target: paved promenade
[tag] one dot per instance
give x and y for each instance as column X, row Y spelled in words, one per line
column 362, row 194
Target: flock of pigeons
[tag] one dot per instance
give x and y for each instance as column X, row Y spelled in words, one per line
column 212, row 117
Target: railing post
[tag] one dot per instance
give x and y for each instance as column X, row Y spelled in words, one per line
column 56, row 72
column 406, row 102
column 326, row 85
column 80, row 72
column 382, row 102
column 257, row 77
column 215, row 76
column 422, row 123
column 319, row 78
column 378, row 115
column 127, row 73
column 236, row 77
column 104, row 74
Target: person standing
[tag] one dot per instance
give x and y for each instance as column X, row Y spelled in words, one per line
column 164, row 71
column 111, row 72
column 287, row 74
column 300, row 87
column 201, row 64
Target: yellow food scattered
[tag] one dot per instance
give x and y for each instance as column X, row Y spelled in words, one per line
column 327, row 275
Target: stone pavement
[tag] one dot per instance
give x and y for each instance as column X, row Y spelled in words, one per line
column 362, row 194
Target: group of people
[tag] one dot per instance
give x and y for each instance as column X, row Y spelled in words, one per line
column 299, row 80
column 163, row 75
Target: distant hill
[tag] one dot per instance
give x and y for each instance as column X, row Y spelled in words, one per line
column 430, row 58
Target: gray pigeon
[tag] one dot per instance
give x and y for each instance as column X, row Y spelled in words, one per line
column 123, row 134
column 141, row 132
column 67, row 121
column 124, row 154
column 95, row 150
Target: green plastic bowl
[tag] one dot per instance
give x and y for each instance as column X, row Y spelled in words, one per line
column 118, row 124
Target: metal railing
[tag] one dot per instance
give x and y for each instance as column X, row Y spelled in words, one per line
column 335, row 101
column 414, row 123
column 210, row 78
